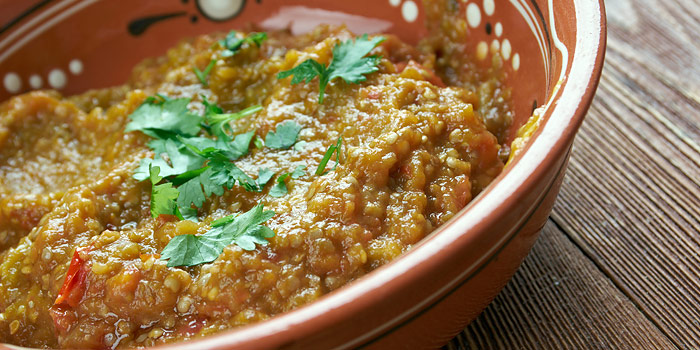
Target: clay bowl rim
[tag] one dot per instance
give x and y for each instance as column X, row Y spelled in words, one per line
column 570, row 104
column 553, row 138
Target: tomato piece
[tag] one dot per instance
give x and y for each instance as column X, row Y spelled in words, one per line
column 162, row 219
column 462, row 191
column 62, row 318
column 73, row 288
column 192, row 326
column 400, row 66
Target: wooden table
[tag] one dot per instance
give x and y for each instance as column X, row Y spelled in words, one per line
column 618, row 264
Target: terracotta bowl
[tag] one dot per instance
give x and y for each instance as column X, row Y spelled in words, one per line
column 553, row 51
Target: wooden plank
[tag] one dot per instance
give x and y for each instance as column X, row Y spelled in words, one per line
column 558, row 299
column 631, row 199
column 639, row 224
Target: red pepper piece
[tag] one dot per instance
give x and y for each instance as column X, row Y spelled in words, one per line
column 73, row 288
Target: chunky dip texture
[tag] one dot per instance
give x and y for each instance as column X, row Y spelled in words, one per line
column 82, row 259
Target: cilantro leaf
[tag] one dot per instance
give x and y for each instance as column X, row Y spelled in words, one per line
column 284, row 136
column 229, row 174
column 306, row 72
column 188, row 214
column 299, row 146
column 280, row 188
column 162, row 196
column 258, row 142
column 191, row 193
column 221, row 148
column 337, row 149
column 204, row 75
column 264, row 176
column 256, row 38
column 349, row 63
column 169, row 117
column 197, row 189
column 240, row 145
column 210, row 186
column 298, row 172
column 232, row 43
column 191, row 250
column 181, row 158
column 244, row 230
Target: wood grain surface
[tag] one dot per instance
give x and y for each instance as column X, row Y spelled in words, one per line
column 618, row 266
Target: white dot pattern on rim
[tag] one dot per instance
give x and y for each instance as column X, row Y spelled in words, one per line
column 75, row 66
column 12, row 83
column 220, row 9
column 35, row 81
column 409, row 10
column 506, row 49
column 497, row 47
column 489, row 7
column 473, row 15
column 57, row 79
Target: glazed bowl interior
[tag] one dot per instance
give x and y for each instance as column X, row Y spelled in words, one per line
column 551, row 52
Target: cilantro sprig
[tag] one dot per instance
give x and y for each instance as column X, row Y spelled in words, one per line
column 232, row 43
column 335, row 148
column 203, row 75
column 280, row 188
column 349, row 63
column 188, row 168
column 245, row 230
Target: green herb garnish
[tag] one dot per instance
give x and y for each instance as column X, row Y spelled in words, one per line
column 284, row 136
column 162, row 118
column 192, row 167
column 349, row 63
column 172, row 158
column 280, row 188
column 232, row 43
column 204, row 75
column 163, row 196
column 189, row 168
column 264, row 176
column 245, row 230
column 337, row 149
column 299, row 146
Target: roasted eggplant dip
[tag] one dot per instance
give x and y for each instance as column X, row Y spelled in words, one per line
column 240, row 176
